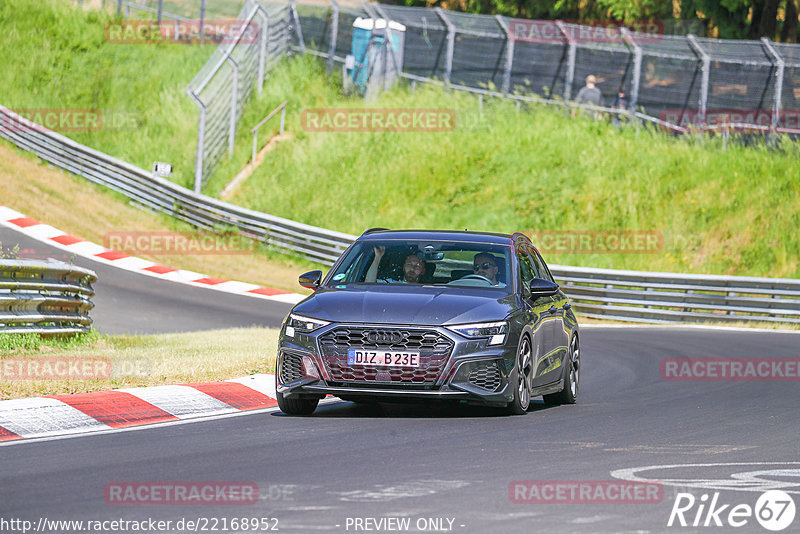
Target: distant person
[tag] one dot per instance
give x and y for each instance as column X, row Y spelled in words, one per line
column 620, row 102
column 413, row 269
column 589, row 94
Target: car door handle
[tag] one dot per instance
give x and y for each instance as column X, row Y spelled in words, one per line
column 553, row 309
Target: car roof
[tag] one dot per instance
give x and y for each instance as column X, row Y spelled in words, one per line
column 438, row 235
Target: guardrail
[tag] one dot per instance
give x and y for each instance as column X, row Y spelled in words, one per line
column 45, row 297
column 162, row 195
column 653, row 297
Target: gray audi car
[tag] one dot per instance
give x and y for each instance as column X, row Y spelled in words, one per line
column 419, row 315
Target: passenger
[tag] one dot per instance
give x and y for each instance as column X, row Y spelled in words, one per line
column 485, row 265
column 413, row 269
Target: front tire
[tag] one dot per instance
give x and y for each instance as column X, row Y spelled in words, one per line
column 296, row 406
column 524, row 379
column 572, row 375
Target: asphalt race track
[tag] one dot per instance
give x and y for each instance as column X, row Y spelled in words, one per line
column 445, row 469
column 132, row 303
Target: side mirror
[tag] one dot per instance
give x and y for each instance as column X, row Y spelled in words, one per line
column 311, row 279
column 543, row 288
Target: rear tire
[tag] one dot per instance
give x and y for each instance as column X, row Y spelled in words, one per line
column 572, row 375
column 296, row 406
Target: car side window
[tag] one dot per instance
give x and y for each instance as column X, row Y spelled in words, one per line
column 526, row 268
column 541, row 267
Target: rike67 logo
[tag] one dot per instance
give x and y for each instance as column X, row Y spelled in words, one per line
column 774, row 510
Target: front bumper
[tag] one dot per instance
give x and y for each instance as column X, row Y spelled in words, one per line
column 474, row 372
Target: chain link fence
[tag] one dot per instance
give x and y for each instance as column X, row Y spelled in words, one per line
column 224, row 84
column 681, row 82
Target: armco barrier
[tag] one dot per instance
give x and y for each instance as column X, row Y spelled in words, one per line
column 623, row 295
column 672, row 297
column 45, row 297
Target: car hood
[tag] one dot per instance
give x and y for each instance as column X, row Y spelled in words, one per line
column 407, row 305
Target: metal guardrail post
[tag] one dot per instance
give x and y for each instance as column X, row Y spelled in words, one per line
column 780, row 65
column 571, row 51
column 706, row 59
column 334, row 33
column 451, row 43
column 509, row 53
column 637, row 67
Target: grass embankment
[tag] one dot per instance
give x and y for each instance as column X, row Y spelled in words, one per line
column 136, row 361
column 54, row 56
column 731, row 211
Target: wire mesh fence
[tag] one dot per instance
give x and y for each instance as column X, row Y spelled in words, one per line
column 681, row 82
column 226, row 81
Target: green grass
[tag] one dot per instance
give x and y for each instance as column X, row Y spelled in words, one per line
column 726, row 211
column 35, row 342
column 136, row 361
column 53, row 55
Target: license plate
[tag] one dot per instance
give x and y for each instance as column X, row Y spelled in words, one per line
column 388, row 358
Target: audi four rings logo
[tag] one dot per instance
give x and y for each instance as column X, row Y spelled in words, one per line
column 383, row 337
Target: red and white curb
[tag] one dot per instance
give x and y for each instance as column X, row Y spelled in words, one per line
column 86, row 249
column 60, row 415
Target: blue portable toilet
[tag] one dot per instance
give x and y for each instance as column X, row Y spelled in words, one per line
column 367, row 49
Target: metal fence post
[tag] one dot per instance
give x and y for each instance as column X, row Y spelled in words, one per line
column 296, row 19
column 262, row 49
column 390, row 42
column 234, row 102
column 509, row 53
column 780, row 66
column 160, row 10
column 334, row 33
column 637, row 67
column 570, row 60
column 706, row 59
column 201, row 140
column 202, row 20
column 451, row 42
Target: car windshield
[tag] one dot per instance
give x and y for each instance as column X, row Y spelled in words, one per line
column 438, row 263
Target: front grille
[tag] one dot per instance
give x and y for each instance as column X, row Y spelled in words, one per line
column 434, row 349
column 485, row 375
column 291, row 368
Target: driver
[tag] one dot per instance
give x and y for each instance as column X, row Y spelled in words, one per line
column 484, row 264
column 413, row 268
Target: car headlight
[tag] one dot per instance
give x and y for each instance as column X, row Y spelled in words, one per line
column 496, row 332
column 302, row 325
